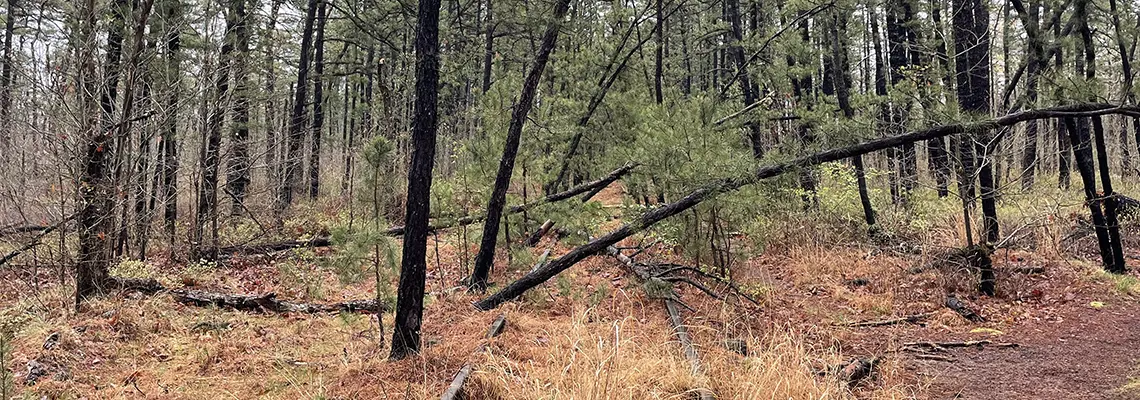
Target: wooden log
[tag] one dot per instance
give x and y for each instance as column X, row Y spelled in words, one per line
column 724, row 185
column 857, row 370
column 455, row 389
column 679, row 329
column 962, row 309
column 913, row 319
column 538, row 234
column 940, row 346
column 269, row 303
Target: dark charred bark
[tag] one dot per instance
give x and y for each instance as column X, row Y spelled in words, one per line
column 6, row 74
column 842, row 76
column 318, row 104
column 291, row 174
column 736, row 49
column 971, row 43
column 486, row 255
column 413, row 269
column 488, row 46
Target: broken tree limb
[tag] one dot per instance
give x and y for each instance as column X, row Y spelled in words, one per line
column 35, row 241
column 942, row 346
column 687, row 348
column 538, row 234
column 857, row 369
column 724, row 185
column 266, row 303
column 455, row 390
column 962, row 309
column 399, row 230
column 913, row 319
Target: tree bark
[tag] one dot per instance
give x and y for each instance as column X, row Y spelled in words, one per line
column 291, row 175
column 172, row 77
column 237, row 181
column 271, row 141
column 413, row 269
column 6, row 75
column 486, row 255
column 207, row 214
column 318, row 104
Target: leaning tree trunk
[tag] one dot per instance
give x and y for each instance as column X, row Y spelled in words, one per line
column 724, row 185
column 736, row 49
column 413, row 268
column 842, row 85
column 486, row 255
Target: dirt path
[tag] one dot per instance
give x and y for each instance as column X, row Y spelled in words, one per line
column 1090, row 355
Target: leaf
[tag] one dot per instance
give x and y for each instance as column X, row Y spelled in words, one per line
column 1097, row 305
column 989, row 331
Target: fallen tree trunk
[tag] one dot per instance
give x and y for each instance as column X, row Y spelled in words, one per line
column 455, row 390
column 537, row 235
column 675, row 321
column 588, row 187
column 269, row 302
column 730, row 184
column 964, row 310
column 913, row 319
column 35, row 241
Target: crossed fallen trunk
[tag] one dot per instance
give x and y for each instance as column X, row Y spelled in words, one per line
column 724, row 185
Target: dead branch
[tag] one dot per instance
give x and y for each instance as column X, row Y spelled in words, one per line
column 942, row 346
column 913, row 319
column 267, row 303
column 455, row 390
column 962, row 309
column 35, row 241
column 687, row 348
column 693, row 284
column 724, row 185
column 538, row 234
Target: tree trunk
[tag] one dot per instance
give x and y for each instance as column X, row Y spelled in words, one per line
column 318, row 105
column 95, row 205
column 413, row 269
column 736, row 49
column 486, row 255
column 172, row 77
column 291, row 175
column 272, row 169
column 1113, row 256
column 237, row 181
column 488, row 47
column 842, row 76
column 207, row 215
column 971, row 43
column 6, row 75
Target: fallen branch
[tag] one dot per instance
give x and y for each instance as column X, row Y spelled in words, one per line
column 913, row 319
column 687, row 348
column 268, row 302
column 455, row 390
column 856, row 370
column 942, row 346
column 35, row 241
column 962, row 309
column 724, row 185
column 538, row 234
column 934, row 357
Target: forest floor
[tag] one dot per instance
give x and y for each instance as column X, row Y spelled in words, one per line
column 594, row 333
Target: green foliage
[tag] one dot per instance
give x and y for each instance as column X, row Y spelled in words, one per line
column 10, row 325
column 130, row 268
column 364, row 251
column 378, row 189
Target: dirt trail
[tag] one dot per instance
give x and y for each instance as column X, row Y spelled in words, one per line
column 1090, row 355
